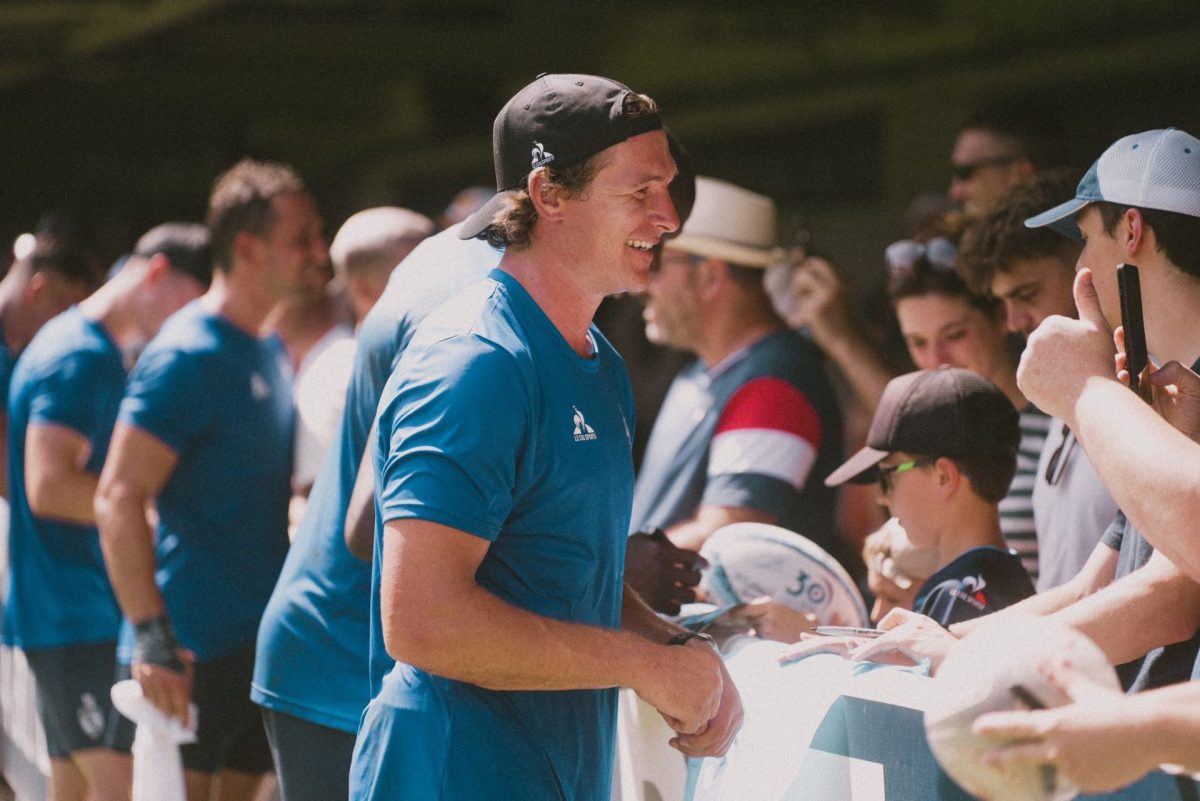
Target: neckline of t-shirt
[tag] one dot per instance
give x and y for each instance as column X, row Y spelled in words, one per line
column 514, row 289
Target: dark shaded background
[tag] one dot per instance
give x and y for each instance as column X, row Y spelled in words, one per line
column 125, row 111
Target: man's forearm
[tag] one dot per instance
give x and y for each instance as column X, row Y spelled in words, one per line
column 858, row 362
column 128, row 544
column 1170, row 720
column 359, row 528
column 493, row 644
column 693, row 532
column 1151, row 469
column 638, row 618
column 1151, row 607
column 1096, row 574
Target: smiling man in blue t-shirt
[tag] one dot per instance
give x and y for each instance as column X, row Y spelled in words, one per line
column 505, row 477
column 204, row 432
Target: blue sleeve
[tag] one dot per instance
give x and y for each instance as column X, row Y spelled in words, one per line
column 170, row 396
column 60, row 397
column 455, row 427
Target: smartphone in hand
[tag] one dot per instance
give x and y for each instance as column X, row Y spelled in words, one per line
column 1136, row 358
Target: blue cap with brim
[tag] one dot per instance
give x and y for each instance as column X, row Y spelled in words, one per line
column 1061, row 218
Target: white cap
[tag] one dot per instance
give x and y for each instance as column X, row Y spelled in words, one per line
column 1153, row 170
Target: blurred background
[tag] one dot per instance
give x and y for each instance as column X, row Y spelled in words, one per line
column 123, row 112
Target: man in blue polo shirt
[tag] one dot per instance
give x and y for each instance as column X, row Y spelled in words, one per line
column 204, row 432
column 310, row 673
column 61, row 610
column 504, row 476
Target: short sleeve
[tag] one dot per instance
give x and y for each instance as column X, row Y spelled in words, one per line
column 58, row 400
column 763, row 448
column 1115, row 533
column 454, row 419
column 169, row 396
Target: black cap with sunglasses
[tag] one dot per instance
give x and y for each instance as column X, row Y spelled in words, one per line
column 948, row 412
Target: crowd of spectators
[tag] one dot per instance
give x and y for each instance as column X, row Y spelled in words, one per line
column 328, row 533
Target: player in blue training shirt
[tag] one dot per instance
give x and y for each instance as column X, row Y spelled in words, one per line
column 504, row 475
column 204, row 432
column 310, row 673
column 49, row 273
column 61, row 610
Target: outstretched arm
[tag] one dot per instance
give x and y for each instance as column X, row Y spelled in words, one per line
column 1103, row 740
column 1151, row 468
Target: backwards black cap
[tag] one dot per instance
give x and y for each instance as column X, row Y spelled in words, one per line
column 557, row 120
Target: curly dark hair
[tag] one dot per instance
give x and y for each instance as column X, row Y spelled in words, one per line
column 998, row 240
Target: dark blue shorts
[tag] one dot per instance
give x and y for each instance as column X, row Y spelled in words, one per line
column 229, row 732
column 312, row 762
column 73, row 696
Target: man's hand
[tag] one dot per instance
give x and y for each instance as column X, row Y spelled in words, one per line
column 909, row 638
column 662, row 574
column 169, row 690
column 715, row 738
column 686, row 687
column 1084, row 740
column 812, row 644
column 1175, row 390
column 1062, row 354
column 815, row 297
column 772, row 620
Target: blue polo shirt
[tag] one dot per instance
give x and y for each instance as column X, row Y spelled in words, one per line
column 71, row 375
column 217, row 396
column 313, row 643
column 493, row 425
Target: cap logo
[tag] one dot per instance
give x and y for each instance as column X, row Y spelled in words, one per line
column 540, row 156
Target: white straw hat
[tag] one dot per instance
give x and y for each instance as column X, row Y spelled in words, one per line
column 729, row 223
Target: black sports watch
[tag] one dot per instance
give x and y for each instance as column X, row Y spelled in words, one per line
column 683, row 636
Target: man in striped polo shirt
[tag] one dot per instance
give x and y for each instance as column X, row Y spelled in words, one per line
column 748, row 430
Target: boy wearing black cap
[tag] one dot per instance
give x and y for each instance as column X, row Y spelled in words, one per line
column 943, row 448
column 504, row 482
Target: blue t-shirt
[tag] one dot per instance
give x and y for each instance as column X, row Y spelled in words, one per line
column 8, row 360
column 493, row 425
column 71, row 375
column 313, row 642
column 216, row 395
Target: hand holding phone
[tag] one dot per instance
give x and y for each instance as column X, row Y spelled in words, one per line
column 1130, row 290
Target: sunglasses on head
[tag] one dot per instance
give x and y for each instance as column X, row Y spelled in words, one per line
column 966, row 171
column 940, row 252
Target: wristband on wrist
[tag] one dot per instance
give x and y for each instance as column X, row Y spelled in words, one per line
column 683, row 636
column 156, row 644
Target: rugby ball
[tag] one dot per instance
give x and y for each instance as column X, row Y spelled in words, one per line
column 750, row 560
column 1007, row 664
